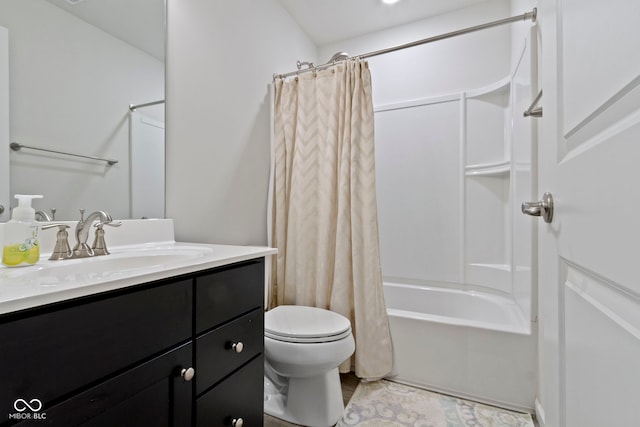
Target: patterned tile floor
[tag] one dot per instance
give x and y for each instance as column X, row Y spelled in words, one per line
column 349, row 384
column 390, row 404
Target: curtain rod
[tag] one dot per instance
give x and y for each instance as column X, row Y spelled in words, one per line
column 523, row 17
column 133, row 107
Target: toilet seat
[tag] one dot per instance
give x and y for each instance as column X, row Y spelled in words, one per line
column 301, row 324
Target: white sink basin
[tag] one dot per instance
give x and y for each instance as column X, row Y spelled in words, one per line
column 121, row 262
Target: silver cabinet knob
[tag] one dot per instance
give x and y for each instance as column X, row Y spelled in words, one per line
column 237, row 347
column 543, row 208
column 187, row 374
column 237, row 422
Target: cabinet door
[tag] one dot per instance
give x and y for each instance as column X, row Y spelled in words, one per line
column 55, row 351
column 152, row 394
column 239, row 396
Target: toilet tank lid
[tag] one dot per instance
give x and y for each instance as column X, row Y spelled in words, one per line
column 304, row 322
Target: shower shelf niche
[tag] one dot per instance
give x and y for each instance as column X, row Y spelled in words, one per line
column 489, row 169
column 486, row 185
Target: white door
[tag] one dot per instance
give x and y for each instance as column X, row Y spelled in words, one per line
column 147, row 167
column 4, row 125
column 589, row 255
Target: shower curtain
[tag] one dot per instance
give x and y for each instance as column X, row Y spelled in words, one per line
column 324, row 219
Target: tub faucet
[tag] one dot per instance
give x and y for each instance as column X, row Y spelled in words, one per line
column 82, row 249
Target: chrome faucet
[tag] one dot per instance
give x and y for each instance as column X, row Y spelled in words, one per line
column 43, row 216
column 82, row 249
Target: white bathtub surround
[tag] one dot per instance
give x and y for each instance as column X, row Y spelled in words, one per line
column 325, row 221
column 388, row 403
column 467, row 343
column 463, row 155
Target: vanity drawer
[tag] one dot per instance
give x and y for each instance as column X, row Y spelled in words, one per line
column 62, row 348
column 215, row 356
column 229, row 293
column 239, row 396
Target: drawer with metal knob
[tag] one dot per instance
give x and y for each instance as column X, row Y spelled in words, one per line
column 225, row 349
column 236, row 401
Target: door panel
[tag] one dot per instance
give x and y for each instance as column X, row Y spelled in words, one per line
column 596, row 191
column 599, row 38
column 602, row 349
column 590, row 295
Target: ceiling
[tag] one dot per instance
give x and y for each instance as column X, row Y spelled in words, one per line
column 328, row 21
column 140, row 23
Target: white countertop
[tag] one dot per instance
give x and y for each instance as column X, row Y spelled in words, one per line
column 129, row 264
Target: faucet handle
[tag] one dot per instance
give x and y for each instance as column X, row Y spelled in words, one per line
column 81, row 214
column 61, row 227
column 62, row 250
column 99, row 245
column 109, row 223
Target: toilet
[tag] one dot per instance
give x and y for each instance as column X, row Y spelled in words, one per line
column 303, row 348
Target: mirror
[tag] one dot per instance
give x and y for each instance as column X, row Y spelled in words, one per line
column 75, row 67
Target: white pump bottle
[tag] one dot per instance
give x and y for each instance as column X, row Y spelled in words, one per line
column 21, row 246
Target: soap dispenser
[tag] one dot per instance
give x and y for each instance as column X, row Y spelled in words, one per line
column 20, row 246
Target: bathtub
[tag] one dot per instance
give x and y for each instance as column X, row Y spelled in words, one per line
column 466, row 343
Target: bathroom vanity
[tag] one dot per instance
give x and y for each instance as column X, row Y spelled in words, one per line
column 174, row 343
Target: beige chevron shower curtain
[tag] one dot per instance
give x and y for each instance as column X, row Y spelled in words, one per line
column 324, row 217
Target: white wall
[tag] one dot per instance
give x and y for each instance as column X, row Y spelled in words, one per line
column 221, row 58
column 443, row 67
column 58, row 70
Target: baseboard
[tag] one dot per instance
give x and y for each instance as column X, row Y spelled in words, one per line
column 457, row 393
column 539, row 413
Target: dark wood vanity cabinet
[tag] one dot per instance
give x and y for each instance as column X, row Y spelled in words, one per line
column 229, row 324
column 126, row 357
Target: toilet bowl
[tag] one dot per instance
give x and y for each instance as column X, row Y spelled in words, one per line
column 303, row 348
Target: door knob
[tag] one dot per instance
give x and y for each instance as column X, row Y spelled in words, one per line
column 543, row 208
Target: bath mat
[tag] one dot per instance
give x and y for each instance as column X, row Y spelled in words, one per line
column 387, row 404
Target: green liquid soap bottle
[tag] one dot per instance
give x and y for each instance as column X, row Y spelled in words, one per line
column 20, row 246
